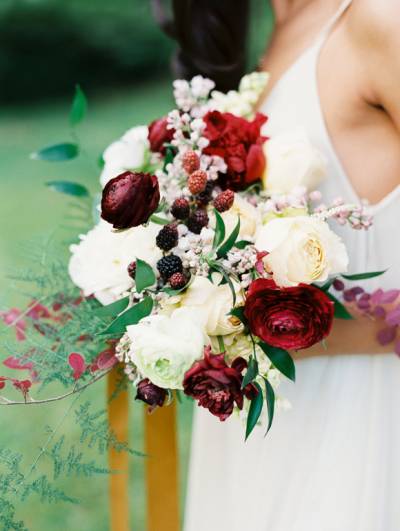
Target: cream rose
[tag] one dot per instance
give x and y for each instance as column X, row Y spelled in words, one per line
column 212, row 302
column 301, row 249
column 292, row 161
column 127, row 153
column 98, row 264
column 249, row 217
column 163, row 348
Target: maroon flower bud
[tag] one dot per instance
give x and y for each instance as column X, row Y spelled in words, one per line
column 130, row 199
column 159, row 135
column 151, row 394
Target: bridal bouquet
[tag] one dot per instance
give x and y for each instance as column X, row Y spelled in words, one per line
column 213, row 257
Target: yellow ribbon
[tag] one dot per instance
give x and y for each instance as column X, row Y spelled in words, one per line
column 162, row 480
column 118, row 410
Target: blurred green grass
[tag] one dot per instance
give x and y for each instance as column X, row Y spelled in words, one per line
column 30, row 212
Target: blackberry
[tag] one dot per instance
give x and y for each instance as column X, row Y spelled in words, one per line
column 197, row 221
column 203, row 198
column 167, row 238
column 132, row 269
column 168, row 265
column 180, row 208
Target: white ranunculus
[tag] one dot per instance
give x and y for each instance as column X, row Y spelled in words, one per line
column 127, row 153
column 212, row 303
column 292, row 161
column 164, row 348
column 249, row 217
column 301, row 249
column 98, row 264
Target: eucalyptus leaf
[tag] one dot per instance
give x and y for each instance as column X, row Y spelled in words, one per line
column 113, row 309
column 255, row 409
column 364, row 276
column 340, row 310
column 281, row 359
column 230, row 241
column 219, row 230
column 78, row 107
column 144, row 275
column 69, row 188
column 251, row 373
column 130, row 317
column 270, row 399
column 57, row 152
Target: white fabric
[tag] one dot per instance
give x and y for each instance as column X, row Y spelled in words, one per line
column 332, row 463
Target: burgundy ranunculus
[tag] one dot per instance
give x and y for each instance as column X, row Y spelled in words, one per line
column 239, row 142
column 130, row 199
column 216, row 386
column 289, row 318
column 159, row 135
column 151, row 394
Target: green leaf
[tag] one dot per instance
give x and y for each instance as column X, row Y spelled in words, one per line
column 251, row 373
column 144, row 275
column 226, row 280
column 57, row 152
column 219, row 229
column 239, row 313
column 341, row 312
column 327, row 285
column 270, row 399
column 69, row 188
column 364, row 276
column 130, row 317
column 113, row 309
column 242, row 244
column 169, row 156
column 158, row 220
column 281, row 359
column 78, row 107
column 255, row 409
column 230, row 241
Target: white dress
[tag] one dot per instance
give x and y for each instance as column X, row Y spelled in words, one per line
column 331, row 463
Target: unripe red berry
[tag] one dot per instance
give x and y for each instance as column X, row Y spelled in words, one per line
column 190, row 162
column 197, row 182
column 224, row 200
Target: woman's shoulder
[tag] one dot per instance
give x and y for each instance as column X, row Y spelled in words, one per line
column 375, row 24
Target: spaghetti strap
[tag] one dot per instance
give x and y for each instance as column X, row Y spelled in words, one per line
column 331, row 23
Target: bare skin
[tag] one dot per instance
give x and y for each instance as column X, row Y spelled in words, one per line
column 359, row 79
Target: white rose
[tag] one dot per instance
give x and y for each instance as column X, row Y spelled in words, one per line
column 164, row 348
column 98, row 264
column 127, row 153
column 301, row 249
column 212, row 302
column 292, row 161
column 249, row 217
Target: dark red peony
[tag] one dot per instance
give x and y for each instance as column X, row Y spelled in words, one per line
column 216, row 386
column 289, row 318
column 130, row 199
column 151, row 394
column 240, row 143
column 159, row 135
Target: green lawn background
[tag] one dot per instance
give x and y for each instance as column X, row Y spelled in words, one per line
column 30, row 212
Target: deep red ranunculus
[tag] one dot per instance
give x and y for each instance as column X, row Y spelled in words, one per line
column 239, row 142
column 159, row 135
column 216, row 386
column 151, row 394
column 289, row 318
column 130, row 199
